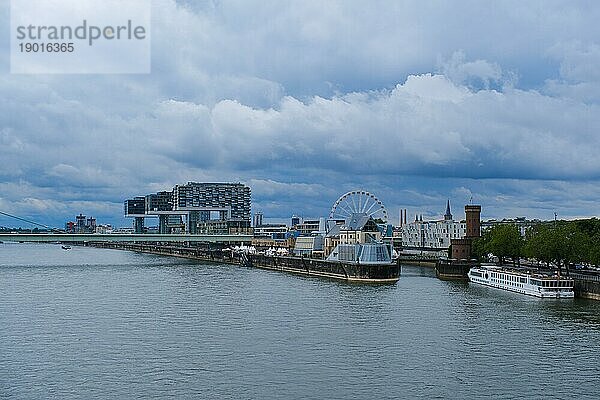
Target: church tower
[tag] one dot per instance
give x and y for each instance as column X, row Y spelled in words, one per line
column 448, row 215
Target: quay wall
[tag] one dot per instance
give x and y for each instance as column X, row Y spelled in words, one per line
column 421, row 261
column 586, row 285
column 297, row 265
column 329, row 269
column 453, row 270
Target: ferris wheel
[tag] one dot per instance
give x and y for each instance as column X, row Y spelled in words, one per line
column 358, row 202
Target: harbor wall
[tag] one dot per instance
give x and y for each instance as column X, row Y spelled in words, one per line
column 297, row 265
column 586, row 285
column 330, row 269
column 418, row 260
column 453, row 270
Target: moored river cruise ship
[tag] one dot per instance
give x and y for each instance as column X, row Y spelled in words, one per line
column 520, row 281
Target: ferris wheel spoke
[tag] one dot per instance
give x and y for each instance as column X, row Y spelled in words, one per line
column 340, row 209
column 372, row 205
column 348, row 210
column 353, row 203
column 373, row 212
column 363, row 204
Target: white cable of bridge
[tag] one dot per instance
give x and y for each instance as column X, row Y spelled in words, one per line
column 28, row 221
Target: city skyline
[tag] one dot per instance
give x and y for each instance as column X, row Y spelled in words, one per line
column 304, row 101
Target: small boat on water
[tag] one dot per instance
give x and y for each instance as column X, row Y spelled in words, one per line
column 522, row 281
column 66, row 247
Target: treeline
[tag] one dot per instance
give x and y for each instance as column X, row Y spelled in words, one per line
column 561, row 243
column 4, row 229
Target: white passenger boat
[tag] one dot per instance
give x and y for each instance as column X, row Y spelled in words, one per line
column 520, row 281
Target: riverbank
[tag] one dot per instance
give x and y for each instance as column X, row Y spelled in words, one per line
column 381, row 273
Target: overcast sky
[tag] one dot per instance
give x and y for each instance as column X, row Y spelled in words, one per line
column 303, row 100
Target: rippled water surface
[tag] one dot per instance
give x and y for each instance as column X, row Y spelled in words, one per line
column 92, row 323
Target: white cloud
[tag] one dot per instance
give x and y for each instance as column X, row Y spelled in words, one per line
column 475, row 73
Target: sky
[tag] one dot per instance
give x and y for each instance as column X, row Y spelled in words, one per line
column 416, row 102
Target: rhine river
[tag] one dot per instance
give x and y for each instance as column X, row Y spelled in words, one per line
column 94, row 324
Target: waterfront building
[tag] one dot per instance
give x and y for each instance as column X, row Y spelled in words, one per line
column 461, row 247
column 358, row 229
column 309, row 246
column 229, row 200
column 123, row 230
column 90, row 225
column 295, row 220
column 135, row 207
column 308, row 227
column 157, row 202
column 434, row 235
column 219, row 208
column 258, row 219
column 104, row 229
column 273, row 231
column 80, row 223
column 70, row 227
column 202, row 201
column 265, row 242
column 220, row 227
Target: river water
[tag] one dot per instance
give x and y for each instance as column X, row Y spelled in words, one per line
column 95, row 323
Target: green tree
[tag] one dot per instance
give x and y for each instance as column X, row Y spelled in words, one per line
column 540, row 244
column 479, row 247
column 594, row 250
column 505, row 241
column 564, row 243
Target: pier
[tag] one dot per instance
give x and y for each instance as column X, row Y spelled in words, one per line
column 387, row 273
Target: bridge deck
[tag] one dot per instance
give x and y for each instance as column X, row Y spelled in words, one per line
column 74, row 238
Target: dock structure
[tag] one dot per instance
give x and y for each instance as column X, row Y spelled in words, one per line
column 384, row 273
column 217, row 248
column 123, row 238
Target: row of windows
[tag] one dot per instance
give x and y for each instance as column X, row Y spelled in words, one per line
column 507, row 283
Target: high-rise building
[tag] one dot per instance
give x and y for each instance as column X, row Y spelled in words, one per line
column 80, row 223
column 258, row 219
column 229, row 200
column 203, row 205
column 70, row 227
column 135, row 207
column 161, row 201
column 295, row 220
column 90, row 225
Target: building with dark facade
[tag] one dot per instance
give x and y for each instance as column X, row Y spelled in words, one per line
column 461, row 248
column 258, row 219
column 215, row 208
column 136, row 208
column 161, row 201
column 82, row 224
